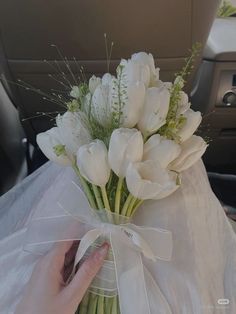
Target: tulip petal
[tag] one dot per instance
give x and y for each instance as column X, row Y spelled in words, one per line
column 148, row 180
column 160, row 149
column 191, row 151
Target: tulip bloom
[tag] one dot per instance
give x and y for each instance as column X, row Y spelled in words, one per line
column 160, row 149
column 94, row 82
column 48, row 141
column 100, row 105
column 183, row 103
column 73, row 129
column 132, row 100
column 193, row 120
column 148, row 180
column 155, row 110
column 126, row 145
column 75, row 92
column 191, row 151
column 133, row 71
column 92, row 161
column 146, row 59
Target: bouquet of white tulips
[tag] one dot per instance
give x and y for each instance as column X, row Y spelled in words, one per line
column 128, row 137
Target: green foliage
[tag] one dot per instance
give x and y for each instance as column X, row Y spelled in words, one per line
column 175, row 122
column 226, row 9
column 73, row 105
column 59, row 150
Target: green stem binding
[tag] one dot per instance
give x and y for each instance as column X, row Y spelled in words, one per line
column 105, row 198
column 130, row 208
column 85, row 186
column 100, row 305
column 118, row 195
column 98, row 197
column 93, row 299
column 83, row 307
column 126, row 204
column 136, row 206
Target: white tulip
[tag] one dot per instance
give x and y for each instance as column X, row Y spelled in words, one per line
column 126, row 145
column 94, row 82
column 48, row 141
column 133, row 71
column 155, row 110
column 191, row 151
column 129, row 98
column 148, row 180
column 100, row 105
column 160, row 149
column 193, row 120
column 75, row 92
column 183, row 103
column 106, row 79
column 74, row 130
column 146, row 59
column 92, row 160
column 133, row 104
column 111, row 97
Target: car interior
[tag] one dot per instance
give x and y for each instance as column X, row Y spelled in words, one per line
column 31, row 64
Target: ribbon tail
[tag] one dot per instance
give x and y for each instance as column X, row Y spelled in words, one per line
column 131, row 286
column 88, row 239
column 157, row 301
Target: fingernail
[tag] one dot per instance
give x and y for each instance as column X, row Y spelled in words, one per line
column 102, row 251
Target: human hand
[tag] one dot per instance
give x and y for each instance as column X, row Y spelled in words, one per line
column 46, row 291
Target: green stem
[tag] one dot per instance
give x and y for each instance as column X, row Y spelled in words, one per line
column 136, row 206
column 114, row 306
column 105, row 198
column 85, row 186
column 83, row 307
column 100, row 306
column 92, row 304
column 126, row 204
column 118, row 195
column 130, row 208
column 98, row 197
column 108, row 305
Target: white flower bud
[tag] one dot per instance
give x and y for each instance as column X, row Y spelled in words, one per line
column 148, row 180
column 92, row 160
column 191, row 151
column 193, row 120
column 155, row 110
column 73, row 130
column 75, row 92
column 48, row 142
column 94, row 82
column 126, row 145
column 134, row 72
column 160, row 149
column 146, row 59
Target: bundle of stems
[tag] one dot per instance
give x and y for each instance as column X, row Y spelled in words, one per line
column 113, row 197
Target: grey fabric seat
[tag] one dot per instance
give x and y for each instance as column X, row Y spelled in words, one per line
column 167, row 29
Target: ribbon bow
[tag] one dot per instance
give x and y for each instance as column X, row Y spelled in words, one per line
column 125, row 274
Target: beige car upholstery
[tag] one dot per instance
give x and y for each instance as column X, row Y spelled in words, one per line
column 166, row 28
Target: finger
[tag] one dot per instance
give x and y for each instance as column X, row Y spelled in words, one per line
column 86, row 273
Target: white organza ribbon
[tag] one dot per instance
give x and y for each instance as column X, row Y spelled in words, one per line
column 123, row 273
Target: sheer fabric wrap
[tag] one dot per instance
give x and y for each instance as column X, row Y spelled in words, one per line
column 202, row 268
column 130, row 244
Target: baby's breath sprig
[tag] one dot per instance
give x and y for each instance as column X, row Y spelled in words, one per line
column 119, row 92
column 174, row 121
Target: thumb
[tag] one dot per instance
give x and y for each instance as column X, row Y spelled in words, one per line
column 86, row 273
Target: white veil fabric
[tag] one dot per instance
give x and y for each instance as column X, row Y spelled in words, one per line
column 199, row 279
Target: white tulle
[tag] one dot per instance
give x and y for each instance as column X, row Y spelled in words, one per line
column 203, row 265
